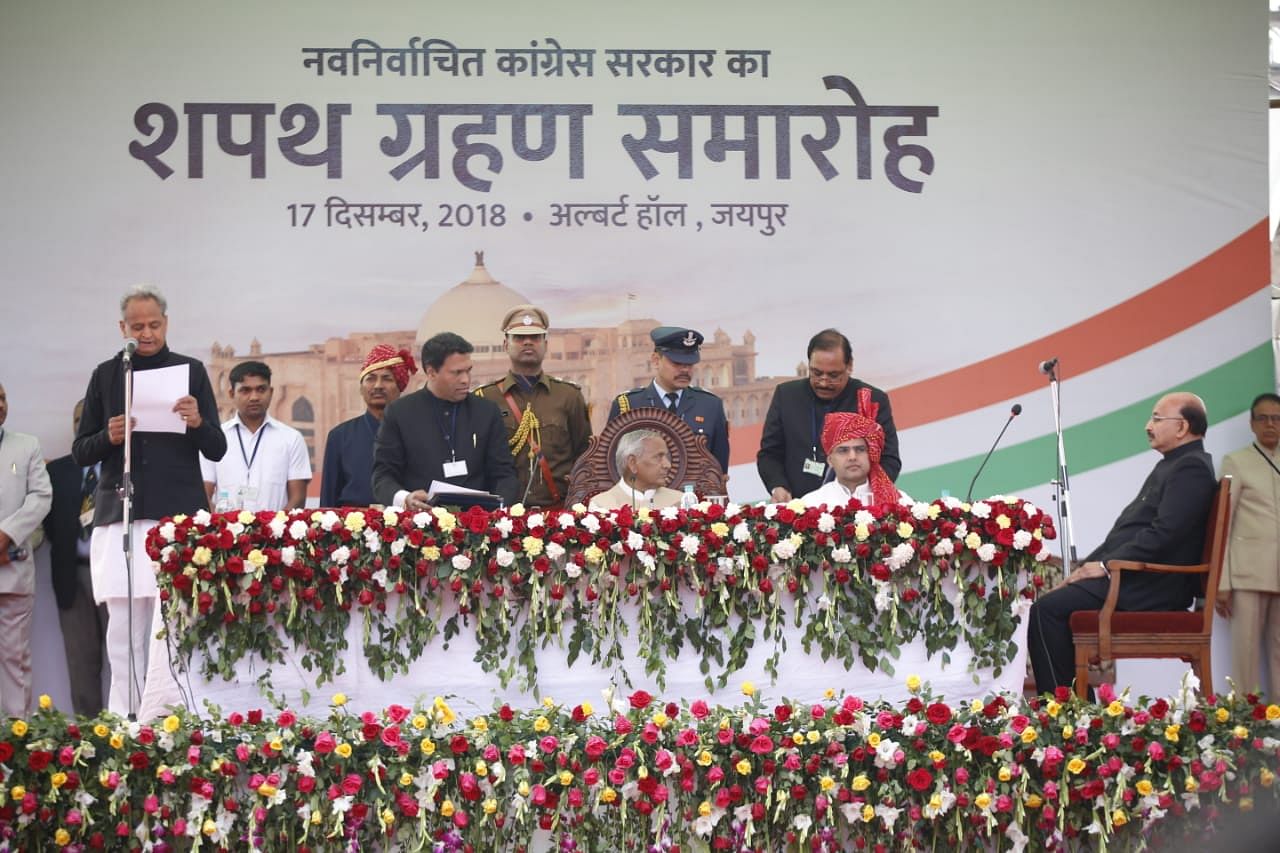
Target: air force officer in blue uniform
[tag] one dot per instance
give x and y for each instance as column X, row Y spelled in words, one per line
column 675, row 352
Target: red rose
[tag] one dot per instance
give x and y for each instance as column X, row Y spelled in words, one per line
column 38, row 760
column 920, row 779
column 938, row 714
column 458, row 745
column 351, row 784
column 640, row 700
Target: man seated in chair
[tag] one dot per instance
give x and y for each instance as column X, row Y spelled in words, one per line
column 1165, row 524
column 853, row 444
column 644, row 463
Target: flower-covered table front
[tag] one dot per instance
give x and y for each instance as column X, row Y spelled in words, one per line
column 492, row 607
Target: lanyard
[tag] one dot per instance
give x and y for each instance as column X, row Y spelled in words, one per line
column 1268, row 458
column 450, row 414
column 817, row 428
column 248, row 460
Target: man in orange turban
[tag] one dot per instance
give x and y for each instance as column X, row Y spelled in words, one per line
column 853, row 444
column 347, row 476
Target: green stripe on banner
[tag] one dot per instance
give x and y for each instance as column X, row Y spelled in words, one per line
column 1227, row 390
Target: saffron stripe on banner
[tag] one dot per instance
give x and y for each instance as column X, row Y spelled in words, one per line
column 1227, row 391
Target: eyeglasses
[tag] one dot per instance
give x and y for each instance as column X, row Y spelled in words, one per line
column 828, row 375
column 1155, row 419
column 1274, row 420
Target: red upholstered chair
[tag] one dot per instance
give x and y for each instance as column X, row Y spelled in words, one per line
column 1106, row 635
column 691, row 461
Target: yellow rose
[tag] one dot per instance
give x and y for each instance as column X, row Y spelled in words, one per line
column 1119, row 818
column 1171, row 733
column 548, row 702
column 743, row 767
column 1266, row 777
column 276, row 744
column 202, row 556
column 1116, row 708
column 873, row 740
column 587, row 709
column 1004, row 774
column 861, row 532
column 490, row 806
column 406, row 779
column 354, row 521
column 973, row 541
column 419, row 721
column 257, row 559
column 905, row 530
column 431, row 553
column 266, row 790
column 19, row 727
column 826, row 783
column 1029, row 734
column 1222, row 715
column 796, row 505
column 660, row 720
column 829, row 693
column 61, row 838
column 541, row 724
column 1191, row 785
column 913, row 683
column 1240, row 732
column 813, row 737
column 388, row 817
column 390, row 517
column 868, row 813
column 446, row 808
column 101, row 730
column 245, row 517
column 343, row 750
column 1144, row 787
column 1067, row 732
column 608, row 795
column 480, row 724
column 720, row 529
column 532, row 545
column 58, row 779
column 171, row 723
column 976, row 706
column 117, row 742
column 798, row 738
column 339, row 699
column 482, row 769
column 523, row 788
column 860, row 782
column 935, row 756
column 705, row 758
column 593, row 554
column 983, row 800
column 1002, row 521
column 748, row 688
column 428, row 746
column 935, row 801
column 1273, row 712
column 46, row 702
column 704, row 808
column 642, row 772
column 566, row 777
column 1076, row 766
column 17, row 792
column 1052, row 709
column 443, row 713
column 209, row 827
column 315, row 818
column 1033, row 801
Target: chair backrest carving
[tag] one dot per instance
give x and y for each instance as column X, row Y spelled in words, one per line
column 691, row 461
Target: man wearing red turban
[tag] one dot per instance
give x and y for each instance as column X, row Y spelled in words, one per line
column 853, row 444
column 347, row 476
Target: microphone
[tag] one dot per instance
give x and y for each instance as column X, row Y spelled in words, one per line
column 1013, row 413
column 130, row 347
column 1046, row 367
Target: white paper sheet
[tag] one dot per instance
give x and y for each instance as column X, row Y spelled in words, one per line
column 154, row 394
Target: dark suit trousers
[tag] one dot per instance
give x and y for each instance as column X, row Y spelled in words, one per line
column 84, row 636
column 1052, row 651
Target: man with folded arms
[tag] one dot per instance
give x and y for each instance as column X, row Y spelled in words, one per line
column 1163, row 524
column 854, row 444
column 347, row 476
column 644, row 464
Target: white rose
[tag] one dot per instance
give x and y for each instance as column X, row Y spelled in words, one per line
column 986, row 551
column 920, row 511
column 981, row 509
column 167, row 531
column 1021, row 539
column 741, row 533
column 690, row 545
column 505, row 558
column 504, row 525
column 784, row 550
column 554, row 550
column 566, row 520
column 635, row 541
column 826, row 522
column 380, row 578
column 841, row 554
column 202, row 517
column 903, row 553
column 398, row 546
column 461, row 562
column 535, row 520
column 944, row 548
column 329, row 520
column 771, row 511
column 288, row 554
column 591, row 523
column 298, row 530
column 573, row 570
column 341, row 555
column 864, row 518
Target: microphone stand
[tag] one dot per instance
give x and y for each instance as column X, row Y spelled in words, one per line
column 1062, row 485
column 126, row 488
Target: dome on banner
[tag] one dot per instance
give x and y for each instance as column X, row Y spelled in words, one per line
column 473, row 309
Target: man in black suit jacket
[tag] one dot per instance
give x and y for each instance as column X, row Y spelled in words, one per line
column 442, row 432
column 790, row 461
column 83, row 621
column 1165, row 523
column 166, row 481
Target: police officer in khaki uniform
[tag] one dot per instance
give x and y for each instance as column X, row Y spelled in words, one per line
column 547, row 422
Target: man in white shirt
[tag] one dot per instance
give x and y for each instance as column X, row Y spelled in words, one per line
column 266, row 466
column 644, row 463
column 853, row 444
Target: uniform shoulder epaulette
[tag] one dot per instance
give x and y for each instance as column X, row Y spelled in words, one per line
column 565, row 381
column 479, row 392
column 701, row 390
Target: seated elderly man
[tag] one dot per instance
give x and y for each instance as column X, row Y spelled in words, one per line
column 853, row 444
column 644, row 463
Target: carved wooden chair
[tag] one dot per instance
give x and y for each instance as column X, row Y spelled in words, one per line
column 1105, row 635
column 691, row 461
